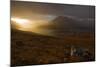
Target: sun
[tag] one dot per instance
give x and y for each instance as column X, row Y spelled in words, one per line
column 30, row 25
column 22, row 24
column 20, row 21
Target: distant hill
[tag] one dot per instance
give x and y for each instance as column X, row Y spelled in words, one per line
column 27, row 33
column 62, row 26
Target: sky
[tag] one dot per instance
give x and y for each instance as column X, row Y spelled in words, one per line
column 43, row 13
column 53, row 9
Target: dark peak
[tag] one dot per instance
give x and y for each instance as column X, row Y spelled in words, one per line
column 63, row 19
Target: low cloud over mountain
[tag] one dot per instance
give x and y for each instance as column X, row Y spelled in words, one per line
column 66, row 25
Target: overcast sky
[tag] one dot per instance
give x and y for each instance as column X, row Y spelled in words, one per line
column 45, row 12
column 33, row 8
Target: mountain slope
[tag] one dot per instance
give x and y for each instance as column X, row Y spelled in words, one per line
column 63, row 26
column 31, row 49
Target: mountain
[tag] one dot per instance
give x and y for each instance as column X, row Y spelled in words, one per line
column 62, row 26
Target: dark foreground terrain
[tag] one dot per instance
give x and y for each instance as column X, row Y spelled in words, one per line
column 34, row 49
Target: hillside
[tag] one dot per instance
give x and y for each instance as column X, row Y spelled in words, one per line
column 31, row 49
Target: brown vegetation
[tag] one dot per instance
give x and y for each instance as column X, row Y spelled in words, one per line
column 32, row 49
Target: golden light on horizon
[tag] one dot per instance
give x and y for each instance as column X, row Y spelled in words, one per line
column 20, row 21
column 22, row 24
column 29, row 25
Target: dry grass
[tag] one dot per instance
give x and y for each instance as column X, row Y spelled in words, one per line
column 33, row 49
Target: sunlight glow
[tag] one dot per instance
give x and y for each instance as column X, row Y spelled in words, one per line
column 20, row 21
column 30, row 25
column 22, row 24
